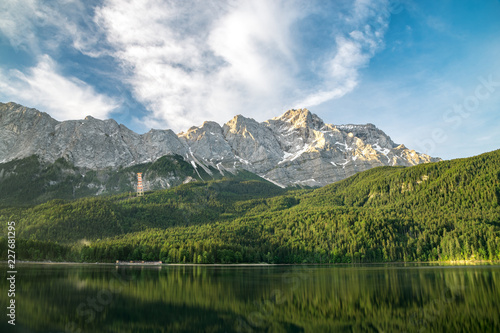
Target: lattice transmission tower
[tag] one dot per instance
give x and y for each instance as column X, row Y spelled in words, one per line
column 140, row 188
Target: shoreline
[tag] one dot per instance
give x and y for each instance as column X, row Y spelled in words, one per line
column 156, row 264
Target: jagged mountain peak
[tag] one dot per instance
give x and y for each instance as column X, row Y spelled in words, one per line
column 210, row 125
column 12, row 109
column 209, row 128
column 294, row 113
column 301, row 118
column 240, row 121
column 369, row 133
column 294, row 148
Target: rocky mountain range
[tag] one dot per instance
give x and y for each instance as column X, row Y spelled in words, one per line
column 296, row 148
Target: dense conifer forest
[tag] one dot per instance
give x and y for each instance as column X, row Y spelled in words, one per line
column 448, row 210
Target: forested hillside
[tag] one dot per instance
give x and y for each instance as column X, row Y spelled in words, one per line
column 440, row 211
column 30, row 181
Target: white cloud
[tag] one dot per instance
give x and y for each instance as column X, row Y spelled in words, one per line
column 24, row 23
column 366, row 27
column 17, row 21
column 191, row 61
column 62, row 97
column 200, row 60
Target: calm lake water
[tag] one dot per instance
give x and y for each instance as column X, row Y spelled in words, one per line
column 381, row 298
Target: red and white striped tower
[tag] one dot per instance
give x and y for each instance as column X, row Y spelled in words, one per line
column 140, row 189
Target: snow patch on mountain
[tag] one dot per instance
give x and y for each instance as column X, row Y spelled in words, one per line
column 294, row 148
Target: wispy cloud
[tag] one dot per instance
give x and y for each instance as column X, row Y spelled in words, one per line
column 356, row 44
column 43, row 87
column 38, row 27
column 190, row 61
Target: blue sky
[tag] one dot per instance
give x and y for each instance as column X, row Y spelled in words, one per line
column 425, row 72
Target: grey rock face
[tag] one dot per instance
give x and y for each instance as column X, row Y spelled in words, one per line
column 89, row 143
column 253, row 144
column 317, row 154
column 24, row 131
column 208, row 143
column 296, row 148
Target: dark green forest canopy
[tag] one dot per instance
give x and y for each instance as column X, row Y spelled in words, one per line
column 441, row 211
column 30, row 181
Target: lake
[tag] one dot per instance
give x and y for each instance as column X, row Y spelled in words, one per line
column 374, row 298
